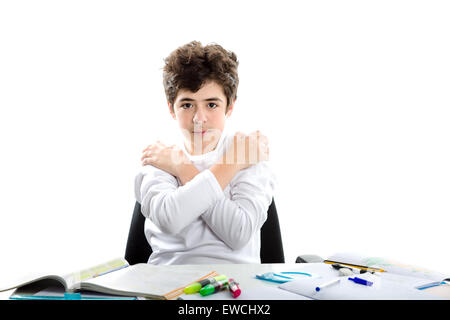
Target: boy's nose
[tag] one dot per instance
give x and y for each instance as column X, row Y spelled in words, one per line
column 199, row 116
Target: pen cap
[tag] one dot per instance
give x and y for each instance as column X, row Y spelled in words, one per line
column 234, row 288
column 214, row 287
column 207, row 290
column 193, row 288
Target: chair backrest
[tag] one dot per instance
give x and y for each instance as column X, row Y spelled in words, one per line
column 271, row 243
column 138, row 249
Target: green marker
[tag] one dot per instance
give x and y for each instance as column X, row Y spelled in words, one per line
column 195, row 287
column 214, row 287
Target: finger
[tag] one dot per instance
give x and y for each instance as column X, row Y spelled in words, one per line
column 263, row 139
column 147, row 147
column 264, row 151
column 147, row 161
column 147, row 155
column 160, row 143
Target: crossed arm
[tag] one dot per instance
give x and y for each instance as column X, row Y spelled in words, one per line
column 171, row 207
column 243, row 152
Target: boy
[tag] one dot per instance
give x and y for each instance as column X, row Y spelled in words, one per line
column 205, row 201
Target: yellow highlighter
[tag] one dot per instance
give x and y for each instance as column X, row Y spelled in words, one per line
column 195, row 287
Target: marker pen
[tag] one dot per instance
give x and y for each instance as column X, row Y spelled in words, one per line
column 330, row 283
column 195, row 287
column 361, row 281
column 214, row 287
column 234, row 288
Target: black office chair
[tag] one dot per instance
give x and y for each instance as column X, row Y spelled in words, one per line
column 138, row 249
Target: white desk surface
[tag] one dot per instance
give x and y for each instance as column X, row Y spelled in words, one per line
column 252, row 288
column 255, row 289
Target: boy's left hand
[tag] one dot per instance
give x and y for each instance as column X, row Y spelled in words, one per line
column 167, row 158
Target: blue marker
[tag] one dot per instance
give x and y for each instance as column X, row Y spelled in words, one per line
column 361, row 281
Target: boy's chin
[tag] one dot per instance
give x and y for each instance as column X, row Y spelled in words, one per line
column 203, row 143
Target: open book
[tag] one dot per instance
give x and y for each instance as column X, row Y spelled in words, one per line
column 395, row 281
column 115, row 277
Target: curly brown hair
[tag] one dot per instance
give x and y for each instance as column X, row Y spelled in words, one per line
column 191, row 65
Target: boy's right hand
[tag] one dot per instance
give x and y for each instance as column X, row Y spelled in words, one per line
column 247, row 150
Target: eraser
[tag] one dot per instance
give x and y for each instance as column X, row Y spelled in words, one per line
column 345, row 272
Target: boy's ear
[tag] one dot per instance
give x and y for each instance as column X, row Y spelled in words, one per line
column 171, row 110
column 230, row 108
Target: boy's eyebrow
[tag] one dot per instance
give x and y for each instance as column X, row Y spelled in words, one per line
column 209, row 99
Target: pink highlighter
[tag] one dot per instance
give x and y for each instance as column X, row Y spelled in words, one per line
column 234, row 288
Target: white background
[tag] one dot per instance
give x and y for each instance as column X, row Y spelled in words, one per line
column 353, row 95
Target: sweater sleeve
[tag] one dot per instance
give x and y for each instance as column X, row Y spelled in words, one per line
column 237, row 219
column 172, row 207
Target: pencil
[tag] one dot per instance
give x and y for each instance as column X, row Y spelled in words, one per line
column 355, row 266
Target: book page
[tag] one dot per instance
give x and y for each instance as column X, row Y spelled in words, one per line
column 145, row 280
column 30, row 278
column 74, row 279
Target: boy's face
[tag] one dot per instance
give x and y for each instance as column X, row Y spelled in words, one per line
column 201, row 116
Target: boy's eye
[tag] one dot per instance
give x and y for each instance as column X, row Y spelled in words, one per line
column 186, row 106
column 212, row 105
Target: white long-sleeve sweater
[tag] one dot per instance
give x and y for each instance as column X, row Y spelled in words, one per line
column 199, row 222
